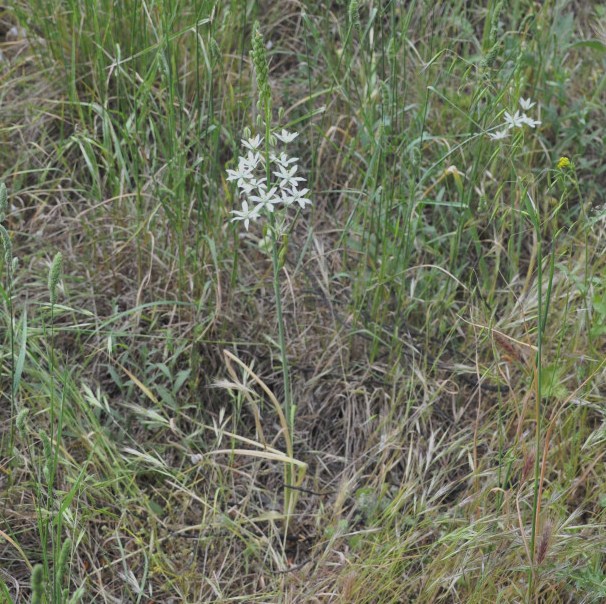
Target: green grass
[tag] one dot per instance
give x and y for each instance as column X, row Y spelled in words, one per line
column 443, row 304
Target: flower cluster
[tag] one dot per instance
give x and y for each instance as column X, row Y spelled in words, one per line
column 518, row 120
column 258, row 196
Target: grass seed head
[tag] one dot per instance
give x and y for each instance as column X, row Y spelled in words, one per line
column 63, row 560
column 54, row 275
column 3, row 201
column 21, row 421
column 8, row 249
column 354, row 16
column 37, row 584
column 544, row 542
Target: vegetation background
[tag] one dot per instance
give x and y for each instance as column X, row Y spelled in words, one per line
column 444, row 301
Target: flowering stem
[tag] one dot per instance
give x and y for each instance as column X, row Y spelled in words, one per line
column 288, row 406
column 289, row 410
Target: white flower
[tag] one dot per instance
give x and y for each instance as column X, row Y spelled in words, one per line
column 287, row 177
column 266, row 199
column 258, row 182
column 296, row 196
column 243, row 171
column 248, row 184
column 242, row 175
column 498, row 135
column 259, row 193
column 246, row 215
column 530, row 122
column 283, row 159
column 514, row 121
column 251, row 160
column 286, row 137
column 252, row 144
column 526, row 104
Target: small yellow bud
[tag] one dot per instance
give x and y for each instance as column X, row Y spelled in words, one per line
column 563, row 162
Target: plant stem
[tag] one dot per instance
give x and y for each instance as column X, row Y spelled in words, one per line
column 288, row 406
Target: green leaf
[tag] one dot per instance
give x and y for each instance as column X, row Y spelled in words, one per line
column 181, row 378
column 593, row 44
column 21, row 357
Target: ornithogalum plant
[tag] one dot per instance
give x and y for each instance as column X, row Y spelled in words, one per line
column 269, row 188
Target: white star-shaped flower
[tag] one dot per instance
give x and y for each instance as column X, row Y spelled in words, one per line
column 246, row 215
column 252, row 144
column 498, row 135
column 514, row 121
column 526, row 104
column 296, row 196
column 251, row 161
column 283, row 159
column 266, row 199
column 288, row 178
column 530, row 122
column 242, row 175
column 286, row 137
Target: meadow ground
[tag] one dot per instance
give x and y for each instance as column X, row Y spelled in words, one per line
column 392, row 394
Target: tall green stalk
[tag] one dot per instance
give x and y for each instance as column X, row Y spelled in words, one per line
column 543, row 303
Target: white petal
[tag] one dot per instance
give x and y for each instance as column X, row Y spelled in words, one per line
column 526, row 104
column 286, row 137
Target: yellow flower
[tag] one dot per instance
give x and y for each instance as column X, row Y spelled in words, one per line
column 563, row 162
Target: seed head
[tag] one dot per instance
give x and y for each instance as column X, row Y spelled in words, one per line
column 544, row 542
column 54, row 275
column 21, row 421
column 527, row 467
column 8, row 250
column 63, row 559
column 3, row 201
column 37, row 584
column 354, row 16
column 259, row 59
